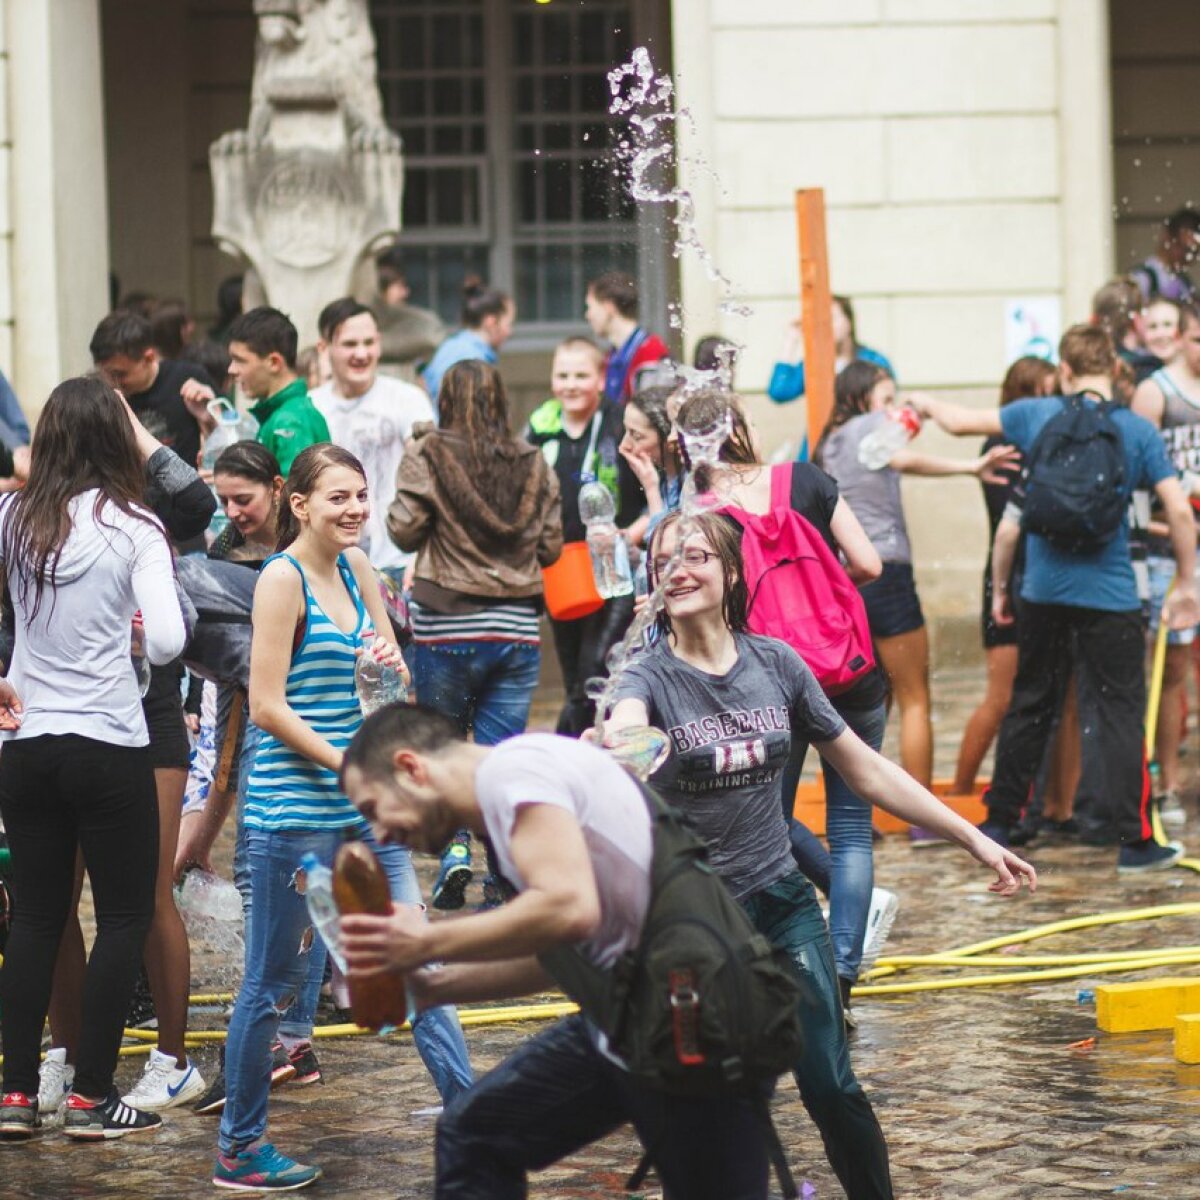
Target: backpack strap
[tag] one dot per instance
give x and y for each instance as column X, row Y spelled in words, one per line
column 781, row 485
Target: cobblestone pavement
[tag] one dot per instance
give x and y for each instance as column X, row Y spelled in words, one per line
column 979, row 1091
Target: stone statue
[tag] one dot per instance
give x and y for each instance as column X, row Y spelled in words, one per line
column 313, row 185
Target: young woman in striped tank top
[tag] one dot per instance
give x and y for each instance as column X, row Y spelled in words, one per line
column 315, row 602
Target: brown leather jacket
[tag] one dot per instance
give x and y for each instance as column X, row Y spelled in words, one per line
column 463, row 544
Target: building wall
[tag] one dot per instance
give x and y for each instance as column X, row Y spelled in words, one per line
column 6, row 224
column 952, row 138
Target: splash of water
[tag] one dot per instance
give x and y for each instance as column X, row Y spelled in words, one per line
column 647, row 101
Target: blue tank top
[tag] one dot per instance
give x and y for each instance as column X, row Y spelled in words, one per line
column 287, row 790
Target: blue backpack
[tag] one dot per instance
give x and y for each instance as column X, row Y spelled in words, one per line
column 1074, row 478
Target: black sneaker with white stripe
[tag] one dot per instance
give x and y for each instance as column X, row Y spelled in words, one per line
column 90, row 1121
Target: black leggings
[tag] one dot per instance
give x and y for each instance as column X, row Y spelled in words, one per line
column 58, row 792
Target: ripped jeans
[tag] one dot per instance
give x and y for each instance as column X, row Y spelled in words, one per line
column 277, row 967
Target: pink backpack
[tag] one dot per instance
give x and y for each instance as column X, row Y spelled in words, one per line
column 800, row 592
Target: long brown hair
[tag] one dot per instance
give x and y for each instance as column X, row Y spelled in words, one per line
column 303, row 478
column 84, row 440
column 851, row 397
column 704, row 408
column 725, row 539
column 473, row 408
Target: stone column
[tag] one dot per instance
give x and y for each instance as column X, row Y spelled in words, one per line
column 58, row 190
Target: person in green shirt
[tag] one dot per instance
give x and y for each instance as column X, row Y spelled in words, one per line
column 262, row 353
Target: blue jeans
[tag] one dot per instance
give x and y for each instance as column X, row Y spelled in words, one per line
column 788, row 914
column 484, row 686
column 848, row 831
column 277, row 968
column 556, row 1094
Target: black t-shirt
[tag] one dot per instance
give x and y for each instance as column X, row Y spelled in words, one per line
column 162, row 410
column 569, row 467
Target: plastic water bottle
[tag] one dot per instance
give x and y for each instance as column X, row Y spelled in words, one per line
column 377, row 684
column 228, row 431
column 606, row 543
column 322, row 908
column 899, row 428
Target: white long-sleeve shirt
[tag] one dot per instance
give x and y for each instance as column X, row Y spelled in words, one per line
column 71, row 667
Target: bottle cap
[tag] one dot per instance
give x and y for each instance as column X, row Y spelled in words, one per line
column 309, row 861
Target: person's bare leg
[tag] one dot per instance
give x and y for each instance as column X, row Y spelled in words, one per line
column 1168, row 736
column 168, row 959
column 66, row 993
column 1065, row 764
column 906, row 661
column 984, row 722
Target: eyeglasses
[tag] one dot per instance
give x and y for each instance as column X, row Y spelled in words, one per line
column 689, row 558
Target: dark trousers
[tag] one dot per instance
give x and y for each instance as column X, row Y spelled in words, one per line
column 557, row 1094
column 582, row 647
column 57, row 793
column 788, row 914
column 1109, row 647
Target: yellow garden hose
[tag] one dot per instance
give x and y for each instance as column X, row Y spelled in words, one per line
column 1153, row 703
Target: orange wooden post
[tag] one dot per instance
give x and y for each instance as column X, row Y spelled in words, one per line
column 816, row 303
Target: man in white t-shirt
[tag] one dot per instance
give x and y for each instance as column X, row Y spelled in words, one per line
column 369, row 414
column 571, row 832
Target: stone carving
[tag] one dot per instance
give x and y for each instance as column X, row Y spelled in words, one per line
column 313, row 185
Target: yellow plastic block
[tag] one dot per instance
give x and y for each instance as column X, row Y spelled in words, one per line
column 1147, row 1004
column 1187, row 1037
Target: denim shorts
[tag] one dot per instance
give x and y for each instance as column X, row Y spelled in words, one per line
column 893, row 606
column 1162, row 571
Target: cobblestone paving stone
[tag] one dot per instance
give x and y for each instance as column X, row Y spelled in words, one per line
column 977, row 1090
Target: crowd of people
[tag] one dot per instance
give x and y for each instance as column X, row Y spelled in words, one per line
column 378, row 501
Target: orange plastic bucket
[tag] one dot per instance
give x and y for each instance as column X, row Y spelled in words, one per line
column 570, row 585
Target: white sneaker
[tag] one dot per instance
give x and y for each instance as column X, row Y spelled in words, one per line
column 55, row 1077
column 884, row 906
column 163, row 1085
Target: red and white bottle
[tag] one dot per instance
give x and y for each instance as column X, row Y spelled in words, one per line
column 876, row 450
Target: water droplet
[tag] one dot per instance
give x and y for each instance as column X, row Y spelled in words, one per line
column 1137, row 162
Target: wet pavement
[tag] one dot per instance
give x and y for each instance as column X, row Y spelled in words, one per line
column 978, row 1090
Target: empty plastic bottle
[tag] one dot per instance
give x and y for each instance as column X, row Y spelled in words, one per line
column 606, row 543
column 877, row 449
column 361, row 886
column 322, row 908
column 377, row 684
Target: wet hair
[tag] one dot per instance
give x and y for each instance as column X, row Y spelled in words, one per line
column 480, row 302
column 473, row 405
column 725, row 538
column 1181, row 219
column 121, row 332
column 83, row 440
column 397, row 727
column 302, row 480
column 248, row 460
column 169, row 320
column 264, row 331
column 651, row 402
column 578, row 342
column 706, row 407
column 618, row 289
column 335, row 314
column 1114, row 306
column 709, row 352
column 1025, row 377
column 1087, row 350
column 851, row 397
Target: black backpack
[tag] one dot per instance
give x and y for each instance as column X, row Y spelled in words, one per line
column 1074, row 478
column 704, row 1005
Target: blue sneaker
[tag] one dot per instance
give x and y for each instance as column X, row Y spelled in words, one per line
column 451, row 886
column 262, row 1169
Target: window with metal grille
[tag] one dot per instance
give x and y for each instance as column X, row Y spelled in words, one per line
column 503, row 108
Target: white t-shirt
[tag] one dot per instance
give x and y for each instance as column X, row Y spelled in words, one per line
column 374, row 428
column 541, row 768
column 71, row 666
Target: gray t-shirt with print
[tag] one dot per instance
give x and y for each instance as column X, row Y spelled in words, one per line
column 873, row 496
column 730, row 738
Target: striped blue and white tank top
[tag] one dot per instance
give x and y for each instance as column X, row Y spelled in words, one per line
column 287, row 790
